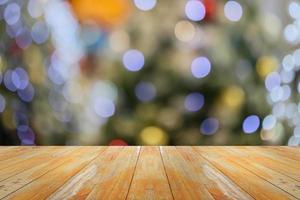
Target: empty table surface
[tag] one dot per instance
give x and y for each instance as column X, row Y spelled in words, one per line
column 214, row 172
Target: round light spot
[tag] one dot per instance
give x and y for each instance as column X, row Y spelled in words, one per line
column 104, row 107
column 8, row 81
column 209, row 126
column 233, row 11
column 26, row 135
column 133, row 60
column 35, row 8
column 294, row 10
column 251, row 124
column 153, row 136
column 117, row 142
column 195, row 10
column 145, row 91
column 200, row 67
column 269, row 122
column 233, row 96
column 23, row 40
column 145, row 5
column 39, row 32
column 291, row 33
column 2, row 103
column 20, row 78
column 288, row 62
column 119, row 41
column 12, row 13
column 27, row 94
column 272, row 81
column 194, row 102
column 184, row 31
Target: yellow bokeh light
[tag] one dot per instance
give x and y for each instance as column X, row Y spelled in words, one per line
column 266, row 65
column 233, row 96
column 153, row 136
column 184, row 31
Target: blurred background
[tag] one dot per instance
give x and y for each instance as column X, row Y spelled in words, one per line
column 149, row 72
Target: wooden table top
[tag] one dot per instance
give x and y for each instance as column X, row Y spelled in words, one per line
column 149, row 173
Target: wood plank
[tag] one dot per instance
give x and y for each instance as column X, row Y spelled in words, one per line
column 29, row 154
column 23, row 165
column 150, row 180
column 118, row 175
column 217, row 184
column 82, row 184
column 281, row 181
column 9, row 152
column 184, row 181
column 257, row 187
column 278, row 166
column 46, row 184
column 290, row 152
column 262, row 151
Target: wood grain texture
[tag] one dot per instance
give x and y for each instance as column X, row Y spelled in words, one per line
column 149, row 173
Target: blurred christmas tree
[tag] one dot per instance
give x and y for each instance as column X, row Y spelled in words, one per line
column 141, row 72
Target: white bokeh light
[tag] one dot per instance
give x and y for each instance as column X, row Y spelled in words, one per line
column 233, row 11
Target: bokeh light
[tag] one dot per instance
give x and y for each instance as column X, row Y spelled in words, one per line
column 153, row 135
column 118, row 142
column 233, row 11
column 233, row 96
column 209, row 126
column 27, row 93
column 12, row 13
column 272, row 81
column 2, row 103
column 294, row 10
column 133, row 60
column 194, row 102
column 200, row 67
column 20, row 78
column 145, row 5
column 269, row 122
column 26, row 135
column 104, row 107
column 184, row 31
column 251, row 124
column 39, row 32
column 145, row 91
column 195, row 10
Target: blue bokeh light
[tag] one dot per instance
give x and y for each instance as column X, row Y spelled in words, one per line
column 195, row 10
column 2, row 103
column 200, row 67
column 194, row 102
column 39, row 32
column 20, row 78
column 104, row 107
column 272, row 81
column 209, row 126
column 251, row 124
column 27, row 94
column 133, row 60
column 233, row 11
column 145, row 5
column 12, row 13
column 145, row 91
